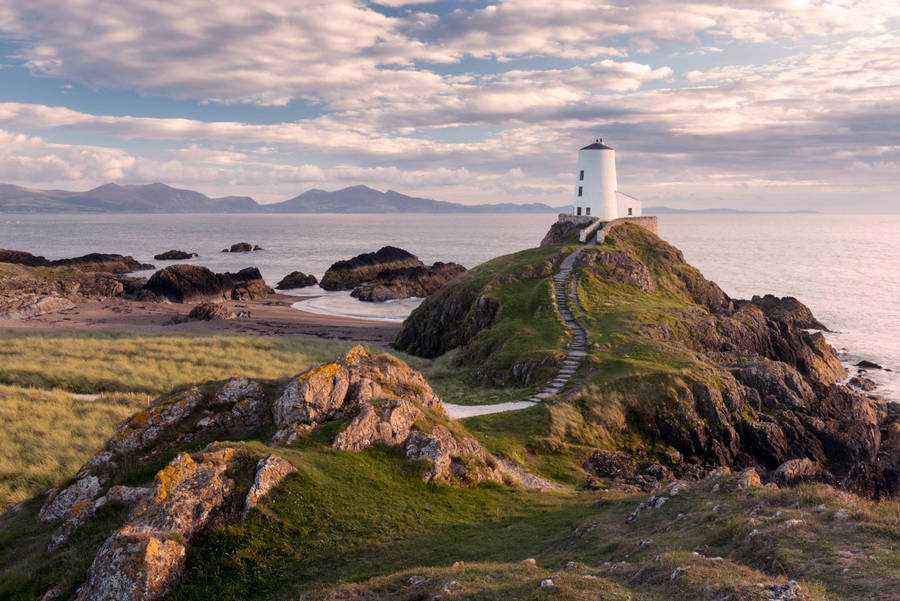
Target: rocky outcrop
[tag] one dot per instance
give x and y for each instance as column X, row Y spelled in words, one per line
column 30, row 291
column 211, row 311
column 241, row 247
column 269, row 474
column 193, row 283
column 451, row 458
column 296, row 279
column 619, row 266
column 385, row 422
column 561, row 232
column 331, row 390
column 143, row 559
column 787, row 308
column 174, row 255
column 93, row 262
column 407, row 282
column 346, row 275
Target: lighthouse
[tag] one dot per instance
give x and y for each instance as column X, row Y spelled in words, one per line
column 596, row 188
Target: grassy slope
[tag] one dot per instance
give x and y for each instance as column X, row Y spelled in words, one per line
column 45, row 436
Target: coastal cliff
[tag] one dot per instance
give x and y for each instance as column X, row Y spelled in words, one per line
column 677, row 372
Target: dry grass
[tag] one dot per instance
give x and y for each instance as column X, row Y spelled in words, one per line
column 45, row 436
column 104, row 362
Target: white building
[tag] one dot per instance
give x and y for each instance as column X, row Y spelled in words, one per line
column 596, row 189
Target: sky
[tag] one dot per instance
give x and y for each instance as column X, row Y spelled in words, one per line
column 761, row 105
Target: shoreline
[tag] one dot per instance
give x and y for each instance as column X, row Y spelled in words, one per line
column 270, row 316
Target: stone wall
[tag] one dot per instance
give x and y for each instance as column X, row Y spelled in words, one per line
column 578, row 219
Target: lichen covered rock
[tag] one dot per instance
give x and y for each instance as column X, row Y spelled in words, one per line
column 386, row 422
column 143, row 559
column 269, row 474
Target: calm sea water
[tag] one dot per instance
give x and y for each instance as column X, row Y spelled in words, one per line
column 846, row 268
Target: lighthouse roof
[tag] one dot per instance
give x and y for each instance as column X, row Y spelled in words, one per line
column 598, row 145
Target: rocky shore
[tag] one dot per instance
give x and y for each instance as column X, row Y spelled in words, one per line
column 407, row 282
column 93, row 262
column 346, row 275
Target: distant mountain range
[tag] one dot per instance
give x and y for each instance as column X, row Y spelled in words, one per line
column 160, row 198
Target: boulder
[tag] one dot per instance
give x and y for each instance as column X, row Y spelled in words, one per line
column 330, row 390
column 60, row 503
column 788, row 308
column 296, row 279
column 142, row 560
column 563, row 231
column 242, row 247
column 211, row 311
column 407, row 282
column 450, row 458
column 798, row 471
column 346, row 275
column 192, row 283
column 174, row 255
column 385, row 422
column 269, row 474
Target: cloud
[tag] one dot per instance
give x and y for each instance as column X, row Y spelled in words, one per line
column 31, row 159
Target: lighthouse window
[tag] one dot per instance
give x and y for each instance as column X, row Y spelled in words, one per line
column 629, row 211
column 579, row 190
column 587, row 210
column 581, row 175
column 579, row 210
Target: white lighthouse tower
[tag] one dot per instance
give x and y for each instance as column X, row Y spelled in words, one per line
column 597, row 190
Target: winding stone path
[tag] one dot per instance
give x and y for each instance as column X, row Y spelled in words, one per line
column 566, row 295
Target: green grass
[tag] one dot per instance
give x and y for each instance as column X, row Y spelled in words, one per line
column 45, row 436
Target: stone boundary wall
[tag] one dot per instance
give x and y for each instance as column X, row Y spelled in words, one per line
column 577, row 219
column 649, row 223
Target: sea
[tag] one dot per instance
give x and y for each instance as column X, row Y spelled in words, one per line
column 846, row 268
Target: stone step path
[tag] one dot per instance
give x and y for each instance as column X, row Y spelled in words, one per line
column 565, row 293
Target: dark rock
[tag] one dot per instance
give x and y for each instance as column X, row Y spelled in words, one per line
column 257, row 247
column 868, row 365
column 193, row 283
column 296, row 279
column 95, row 262
column 211, row 311
column 346, row 275
column 174, row 255
column 864, row 384
column 788, row 308
column 241, row 247
column 104, row 263
column 611, row 464
column 407, row 282
column 20, row 257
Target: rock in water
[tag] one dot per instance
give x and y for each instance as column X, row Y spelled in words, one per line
column 192, row 283
column 93, row 262
column 174, row 255
column 346, row 275
column 407, row 282
column 242, row 247
column 296, row 279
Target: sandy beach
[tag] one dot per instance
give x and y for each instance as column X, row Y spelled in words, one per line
column 271, row 316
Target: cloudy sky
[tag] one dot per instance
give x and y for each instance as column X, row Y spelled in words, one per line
column 764, row 104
